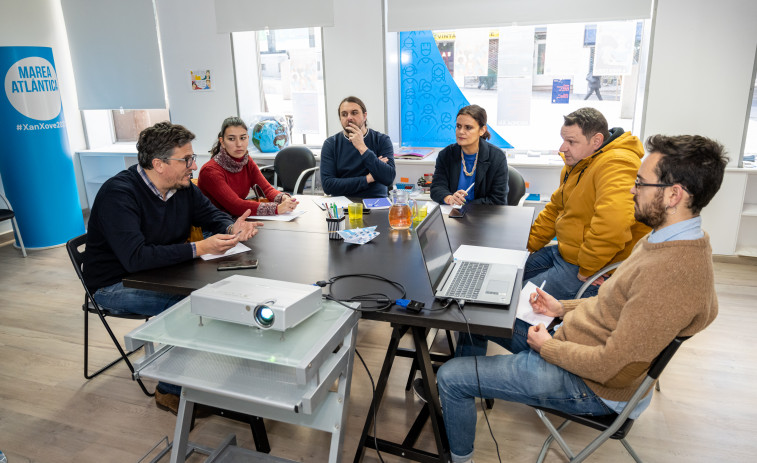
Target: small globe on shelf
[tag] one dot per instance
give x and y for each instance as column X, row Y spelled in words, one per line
column 269, row 136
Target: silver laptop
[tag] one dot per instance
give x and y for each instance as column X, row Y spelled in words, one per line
column 463, row 280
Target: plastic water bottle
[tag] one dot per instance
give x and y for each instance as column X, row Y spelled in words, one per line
column 2, row 457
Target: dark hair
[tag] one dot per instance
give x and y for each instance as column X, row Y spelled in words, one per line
column 695, row 162
column 232, row 121
column 351, row 99
column 159, row 141
column 590, row 121
column 479, row 115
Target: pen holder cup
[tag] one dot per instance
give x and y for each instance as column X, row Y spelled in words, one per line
column 334, row 225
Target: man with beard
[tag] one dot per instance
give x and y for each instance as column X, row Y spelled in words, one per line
column 596, row 358
column 141, row 220
column 591, row 212
column 358, row 161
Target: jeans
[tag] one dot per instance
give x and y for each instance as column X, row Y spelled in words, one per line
column 524, row 377
column 118, row 299
column 561, row 277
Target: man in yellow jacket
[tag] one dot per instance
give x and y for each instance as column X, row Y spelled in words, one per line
column 592, row 212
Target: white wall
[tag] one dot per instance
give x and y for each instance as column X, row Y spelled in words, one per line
column 699, row 82
column 189, row 41
column 40, row 23
column 353, row 61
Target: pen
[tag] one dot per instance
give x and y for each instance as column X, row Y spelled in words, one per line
column 540, row 287
column 471, row 186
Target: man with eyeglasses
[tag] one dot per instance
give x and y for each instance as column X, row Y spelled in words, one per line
column 141, row 220
column 590, row 213
column 594, row 361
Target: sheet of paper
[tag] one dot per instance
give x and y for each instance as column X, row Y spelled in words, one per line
column 340, row 201
column 235, row 250
column 492, row 255
column 285, row 217
column 525, row 312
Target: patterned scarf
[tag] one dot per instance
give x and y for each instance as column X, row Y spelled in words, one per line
column 229, row 163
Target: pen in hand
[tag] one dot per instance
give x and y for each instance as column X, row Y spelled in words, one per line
column 540, row 287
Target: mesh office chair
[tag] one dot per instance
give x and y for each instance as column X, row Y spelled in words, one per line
column 8, row 214
column 516, row 194
column 294, row 166
column 614, row 426
column 90, row 306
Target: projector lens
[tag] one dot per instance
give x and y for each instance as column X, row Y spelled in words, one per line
column 264, row 316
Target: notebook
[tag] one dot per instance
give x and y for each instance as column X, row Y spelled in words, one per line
column 464, row 280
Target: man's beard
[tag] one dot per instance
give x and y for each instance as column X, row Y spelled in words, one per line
column 653, row 214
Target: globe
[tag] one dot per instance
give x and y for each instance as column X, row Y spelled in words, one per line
column 269, row 136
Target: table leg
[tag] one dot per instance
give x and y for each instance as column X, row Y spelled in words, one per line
column 391, row 351
column 181, row 433
column 429, row 385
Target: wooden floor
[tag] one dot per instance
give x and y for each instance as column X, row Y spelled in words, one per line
column 706, row 412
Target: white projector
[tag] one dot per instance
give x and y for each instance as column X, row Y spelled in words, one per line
column 267, row 304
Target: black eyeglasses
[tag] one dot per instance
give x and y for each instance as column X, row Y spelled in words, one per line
column 189, row 160
column 640, row 184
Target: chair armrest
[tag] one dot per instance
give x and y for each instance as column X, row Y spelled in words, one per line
column 301, row 178
column 594, row 277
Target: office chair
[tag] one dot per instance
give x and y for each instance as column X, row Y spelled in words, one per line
column 516, row 194
column 8, row 214
column 90, row 306
column 614, row 426
column 293, row 166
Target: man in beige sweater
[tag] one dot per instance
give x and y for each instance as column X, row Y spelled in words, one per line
column 594, row 361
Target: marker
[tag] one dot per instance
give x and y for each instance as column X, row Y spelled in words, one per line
column 540, row 287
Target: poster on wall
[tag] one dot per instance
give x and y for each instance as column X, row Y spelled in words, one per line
column 560, row 91
column 200, row 80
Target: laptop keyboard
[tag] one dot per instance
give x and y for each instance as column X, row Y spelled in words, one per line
column 468, row 280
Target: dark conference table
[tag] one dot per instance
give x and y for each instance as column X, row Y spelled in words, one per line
column 300, row 251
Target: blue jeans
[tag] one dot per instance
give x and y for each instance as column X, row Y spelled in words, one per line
column 524, row 377
column 118, row 299
column 561, row 277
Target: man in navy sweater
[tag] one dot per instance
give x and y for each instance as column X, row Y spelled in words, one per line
column 358, row 161
column 141, row 220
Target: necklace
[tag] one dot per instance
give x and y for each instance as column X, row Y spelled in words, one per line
column 475, row 164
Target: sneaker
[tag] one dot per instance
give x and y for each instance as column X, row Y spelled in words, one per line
column 168, row 402
column 418, row 389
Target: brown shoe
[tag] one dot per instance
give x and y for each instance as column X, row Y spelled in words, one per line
column 169, row 402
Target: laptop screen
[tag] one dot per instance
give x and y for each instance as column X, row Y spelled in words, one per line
column 437, row 252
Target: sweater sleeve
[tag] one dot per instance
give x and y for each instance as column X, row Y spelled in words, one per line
column 382, row 172
column 610, row 226
column 332, row 184
column 543, row 228
column 206, row 215
column 212, row 182
column 440, row 185
column 648, row 321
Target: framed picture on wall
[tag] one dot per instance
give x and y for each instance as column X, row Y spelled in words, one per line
column 200, row 80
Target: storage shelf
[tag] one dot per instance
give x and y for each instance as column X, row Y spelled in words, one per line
column 750, row 210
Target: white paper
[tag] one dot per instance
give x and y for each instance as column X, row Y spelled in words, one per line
column 285, row 217
column 340, row 201
column 492, row 255
column 525, row 312
column 235, row 250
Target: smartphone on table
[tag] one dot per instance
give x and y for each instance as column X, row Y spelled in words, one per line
column 239, row 264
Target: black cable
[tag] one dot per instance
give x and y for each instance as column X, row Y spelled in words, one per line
column 460, row 305
column 379, row 301
column 373, row 404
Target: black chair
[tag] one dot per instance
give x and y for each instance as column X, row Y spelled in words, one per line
column 614, row 426
column 90, row 306
column 294, row 166
column 8, row 214
column 516, row 193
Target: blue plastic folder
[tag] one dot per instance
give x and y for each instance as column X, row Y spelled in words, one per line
column 377, row 203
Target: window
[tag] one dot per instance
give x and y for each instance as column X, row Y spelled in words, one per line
column 526, row 78
column 280, row 75
column 750, row 144
column 127, row 124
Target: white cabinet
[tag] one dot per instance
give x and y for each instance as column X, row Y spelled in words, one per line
column 746, row 243
column 99, row 166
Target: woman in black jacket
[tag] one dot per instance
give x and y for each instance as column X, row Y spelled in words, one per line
column 471, row 170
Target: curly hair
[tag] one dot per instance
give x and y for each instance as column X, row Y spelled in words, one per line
column 159, row 141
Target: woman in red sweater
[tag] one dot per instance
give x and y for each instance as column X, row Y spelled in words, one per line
column 227, row 178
